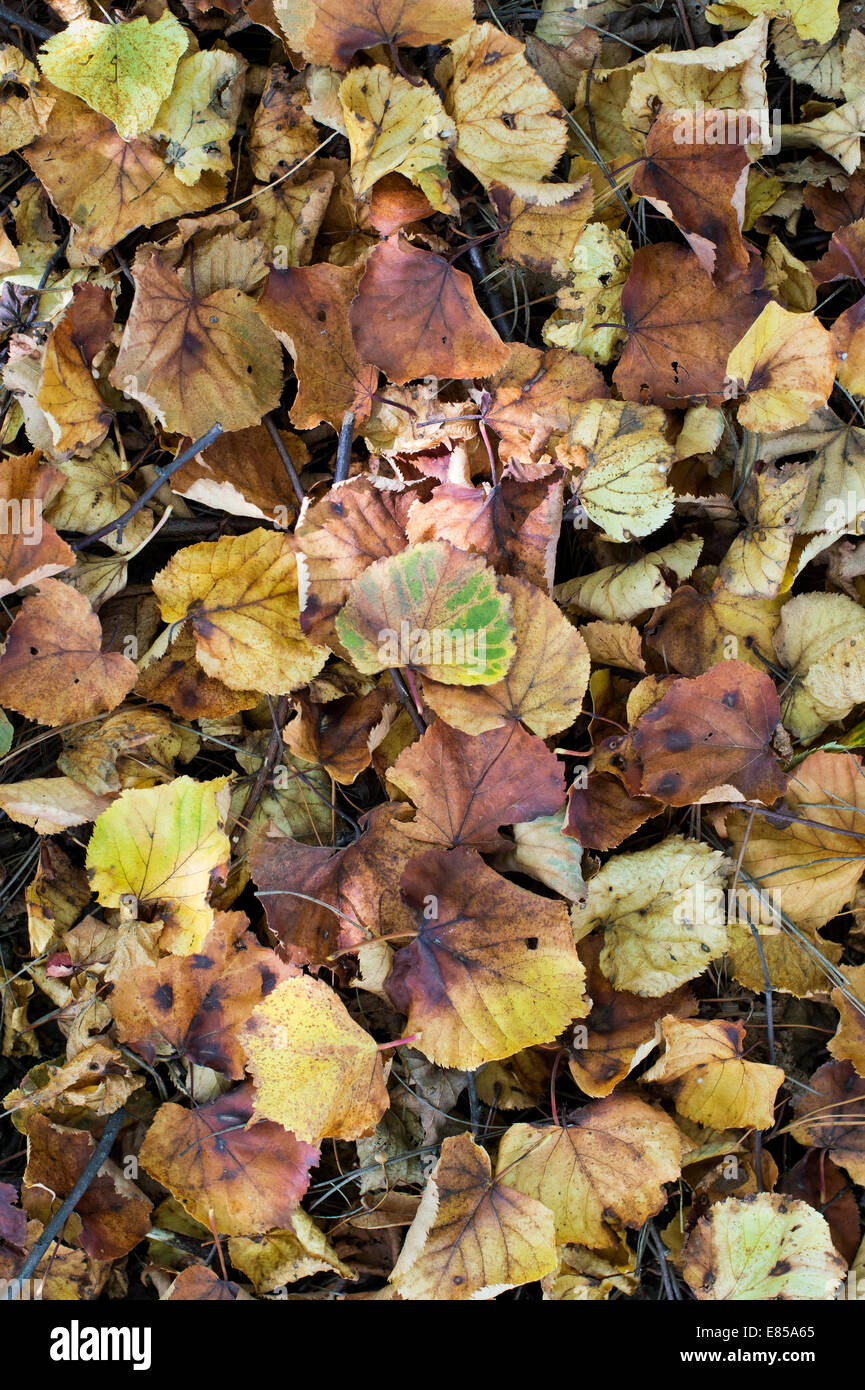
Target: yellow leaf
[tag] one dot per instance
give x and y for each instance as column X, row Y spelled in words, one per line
column 124, row 70
column 394, row 127
column 607, row 1168
column 472, row 1237
column 316, row 1072
column 240, row 595
column 200, row 116
column 786, row 364
column 163, row 845
column 760, row 1248
column 821, row 638
column 510, row 126
column 625, row 456
column 709, row 1079
column 662, row 912
column 814, row 19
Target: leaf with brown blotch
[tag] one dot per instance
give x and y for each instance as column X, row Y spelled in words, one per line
column 350, row 895
column 831, row 1116
column 466, row 785
column 53, row 668
column 545, row 683
column 701, row 188
column 493, row 968
column 603, row 813
column 191, row 1006
column 105, row 185
column 415, row 316
column 308, row 309
column 605, row 1169
column 316, row 1071
column 785, row 366
column 621, row 1029
column 762, row 1248
column 534, row 396
column 690, row 632
column 710, row 732
column 806, row 860
column 681, row 327
column 325, row 34
column 241, row 596
column 542, row 223
column 176, row 679
column 221, row 1163
column 30, row 549
column 336, row 539
column 113, row 1214
column 709, row 1078
column 282, row 131
column 473, row 1236
column 242, row 473
column 193, row 362
column 74, row 408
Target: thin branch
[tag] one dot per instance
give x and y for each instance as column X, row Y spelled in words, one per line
column 343, row 452
column 406, row 700
column 60, row 1217
column 286, row 458
column 17, row 21
column 162, row 476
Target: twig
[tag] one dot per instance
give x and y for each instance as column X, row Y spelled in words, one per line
column 162, row 475
column 683, row 19
column 406, row 699
column 343, row 452
column 474, row 1103
column 17, row 21
column 274, row 744
column 286, row 458
column 58, row 1220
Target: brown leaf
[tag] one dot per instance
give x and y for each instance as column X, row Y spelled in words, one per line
column 710, row 732
column 248, row 1175
column 326, row 34
column 52, row 668
column 105, row 185
column 191, row 1006
column 681, row 327
column 465, row 786
column 193, row 362
column 831, row 1116
column 415, row 315
column 30, row 549
column 308, row 309
column 700, row 187
column 493, row 968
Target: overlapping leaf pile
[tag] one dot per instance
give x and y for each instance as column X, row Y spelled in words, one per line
column 434, row 648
